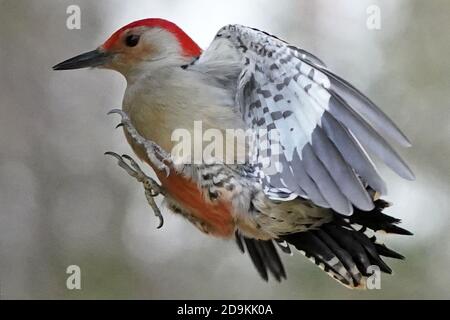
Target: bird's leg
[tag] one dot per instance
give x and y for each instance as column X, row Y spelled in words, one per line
column 151, row 187
column 155, row 153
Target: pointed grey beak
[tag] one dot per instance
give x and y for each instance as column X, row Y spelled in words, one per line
column 91, row 59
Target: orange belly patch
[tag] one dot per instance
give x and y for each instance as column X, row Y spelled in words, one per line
column 215, row 215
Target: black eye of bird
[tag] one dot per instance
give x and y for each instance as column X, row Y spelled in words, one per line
column 132, row 40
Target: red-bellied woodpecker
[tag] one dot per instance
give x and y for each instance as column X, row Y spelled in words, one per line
column 321, row 194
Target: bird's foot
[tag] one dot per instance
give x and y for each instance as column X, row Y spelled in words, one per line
column 151, row 187
column 157, row 156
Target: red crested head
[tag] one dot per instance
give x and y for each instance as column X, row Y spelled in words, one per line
column 189, row 47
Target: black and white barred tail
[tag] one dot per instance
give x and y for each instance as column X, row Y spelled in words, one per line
column 345, row 248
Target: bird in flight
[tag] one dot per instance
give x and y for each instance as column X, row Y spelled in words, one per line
column 309, row 182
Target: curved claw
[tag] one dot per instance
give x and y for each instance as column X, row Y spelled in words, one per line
column 119, row 125
column 156, row 210
column 161, row 221
column 121, row 113
column 118, row 111
column 166, row 169
column 115, row 155
column 167, row 162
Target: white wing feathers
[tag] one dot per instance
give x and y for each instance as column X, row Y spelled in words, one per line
column 324, row 124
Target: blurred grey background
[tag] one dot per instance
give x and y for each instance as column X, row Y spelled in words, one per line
column 63, row 202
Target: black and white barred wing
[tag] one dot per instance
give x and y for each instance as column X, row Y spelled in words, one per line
column 323, row 124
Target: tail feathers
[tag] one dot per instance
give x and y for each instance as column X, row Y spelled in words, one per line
column 333, row 260
column 386, row 252
column 264, row 256
column 378, row 221
column 344, row 250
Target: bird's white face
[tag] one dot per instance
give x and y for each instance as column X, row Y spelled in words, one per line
column 141, row 48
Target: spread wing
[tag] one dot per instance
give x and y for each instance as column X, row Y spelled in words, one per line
column 312, row 127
